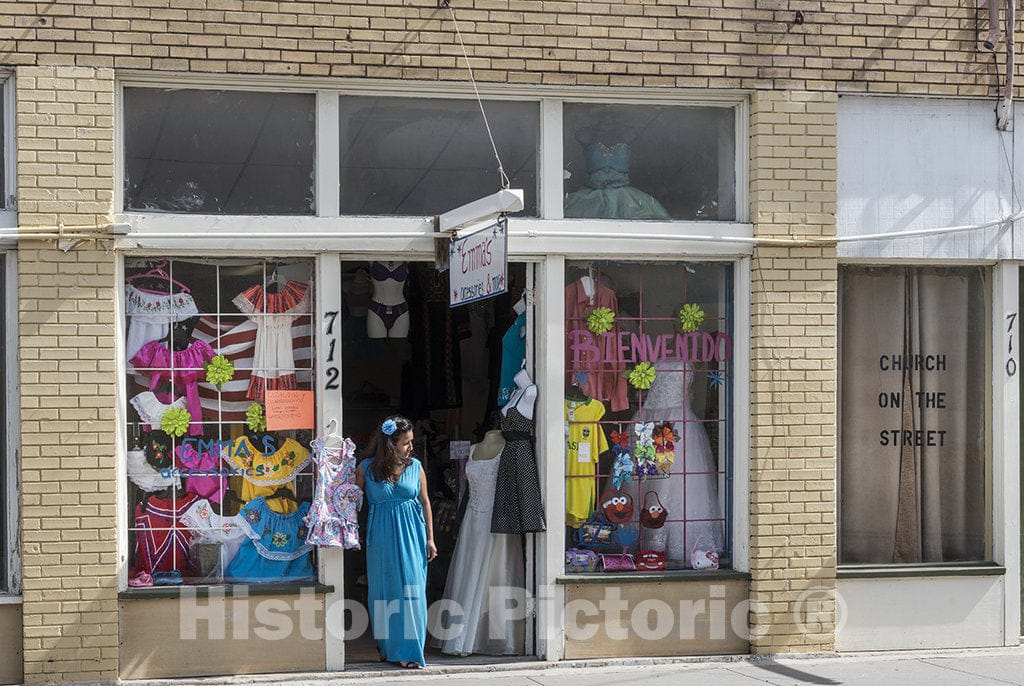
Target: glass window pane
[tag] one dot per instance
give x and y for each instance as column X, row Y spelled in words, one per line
column 425, row 156
column 649, row 162
column 3, row 158
column 913, row 399
column 186, row 485
column 646, row 409
column 219, row 152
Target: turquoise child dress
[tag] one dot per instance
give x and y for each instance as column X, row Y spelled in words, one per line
column 275, row 548
column 396, row 564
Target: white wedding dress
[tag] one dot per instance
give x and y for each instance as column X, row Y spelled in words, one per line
column 669, row 401
column 482, row 561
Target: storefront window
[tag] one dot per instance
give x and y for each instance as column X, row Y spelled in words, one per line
column 913, row 414
column 648, row 414
column 219, row 152
column 426, row 156
column 649, row 162
column 217, row 492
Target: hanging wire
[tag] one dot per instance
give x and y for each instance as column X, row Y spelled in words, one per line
column 505, row 184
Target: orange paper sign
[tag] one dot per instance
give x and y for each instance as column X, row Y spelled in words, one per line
column 289, row 410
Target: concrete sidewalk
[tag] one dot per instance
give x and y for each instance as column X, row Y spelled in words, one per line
column 933, row 668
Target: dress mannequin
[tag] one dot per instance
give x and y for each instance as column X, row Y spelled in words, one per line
column 482, row 561
column 518, row 508
column 524, row 397
column 606, row 191
column 388, row 315
column 490, row 447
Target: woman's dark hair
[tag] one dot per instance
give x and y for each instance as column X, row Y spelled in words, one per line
column 384, row 449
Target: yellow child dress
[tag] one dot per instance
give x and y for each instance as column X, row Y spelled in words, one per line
column 265, row 473
column 585, row 442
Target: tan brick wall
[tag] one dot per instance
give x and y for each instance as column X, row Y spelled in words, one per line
column 879, row 46
column 793, row 373
column 66, row 314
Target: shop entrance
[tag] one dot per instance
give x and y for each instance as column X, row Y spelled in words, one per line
column 406, row 352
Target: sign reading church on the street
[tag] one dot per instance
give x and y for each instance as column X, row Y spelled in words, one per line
column 478, row 264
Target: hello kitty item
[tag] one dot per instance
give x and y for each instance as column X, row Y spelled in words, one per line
column 701, row 559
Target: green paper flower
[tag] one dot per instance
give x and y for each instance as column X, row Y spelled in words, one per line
column 254, row 417
column 174, row 421
column 642, row 376
column 600, row 320
column 219, row 371
column 691, row 317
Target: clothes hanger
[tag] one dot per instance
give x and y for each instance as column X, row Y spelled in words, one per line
column 575, row 393
column 284, row 492
column 273, row 286
column 157, row 272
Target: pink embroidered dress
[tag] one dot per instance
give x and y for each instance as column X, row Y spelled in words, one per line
column 273, row 314
column 186, row 367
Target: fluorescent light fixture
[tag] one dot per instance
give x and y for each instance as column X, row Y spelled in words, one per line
column 486, row 209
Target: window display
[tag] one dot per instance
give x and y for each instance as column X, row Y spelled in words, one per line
column 647, row 413
column 649, row 162
column 215, row 495
column 914, row 392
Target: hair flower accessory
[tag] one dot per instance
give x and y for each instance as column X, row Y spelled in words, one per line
column 174, row 421
column 600, row 320
column 691, row 317
column 219, row 371
column 254, row 417
column 388, row 427
column 642, row 376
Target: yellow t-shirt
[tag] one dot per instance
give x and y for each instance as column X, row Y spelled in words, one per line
column 585, row 443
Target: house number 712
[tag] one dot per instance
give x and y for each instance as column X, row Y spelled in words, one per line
column 330, row 369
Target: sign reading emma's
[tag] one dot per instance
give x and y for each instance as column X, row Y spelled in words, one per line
column 626, row 347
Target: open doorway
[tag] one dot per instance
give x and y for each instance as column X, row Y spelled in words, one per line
column 405, row 351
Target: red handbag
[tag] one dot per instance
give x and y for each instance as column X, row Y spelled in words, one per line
column 650, row 561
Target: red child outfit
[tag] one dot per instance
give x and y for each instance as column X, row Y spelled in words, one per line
column 161, row 541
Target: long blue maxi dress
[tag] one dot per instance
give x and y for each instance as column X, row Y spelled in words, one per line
column 396, row 564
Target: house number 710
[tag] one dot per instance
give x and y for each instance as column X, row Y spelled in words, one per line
column 1011, row 364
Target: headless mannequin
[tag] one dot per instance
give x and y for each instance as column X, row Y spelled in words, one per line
column 520, row 306
column 524, row 397
column 388, row 316
column 490, row 447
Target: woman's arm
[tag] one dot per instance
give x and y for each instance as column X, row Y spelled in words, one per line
column 360, row 478
column 428, row 516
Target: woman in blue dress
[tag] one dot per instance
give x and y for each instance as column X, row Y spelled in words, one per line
column 399, row 543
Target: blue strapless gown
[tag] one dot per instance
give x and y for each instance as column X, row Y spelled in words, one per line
column 396, row 564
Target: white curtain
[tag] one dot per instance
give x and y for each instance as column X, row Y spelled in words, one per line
column 913, row 345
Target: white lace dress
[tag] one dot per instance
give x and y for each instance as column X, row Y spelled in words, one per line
column 150, row 316
column 669, row 401
column 482, row 563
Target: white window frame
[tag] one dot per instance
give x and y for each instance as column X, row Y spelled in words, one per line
column 328, row 230
column 11, row 584
column 547, row 241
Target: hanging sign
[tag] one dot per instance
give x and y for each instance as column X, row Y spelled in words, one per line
column 478, row 264
column 289, row 410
